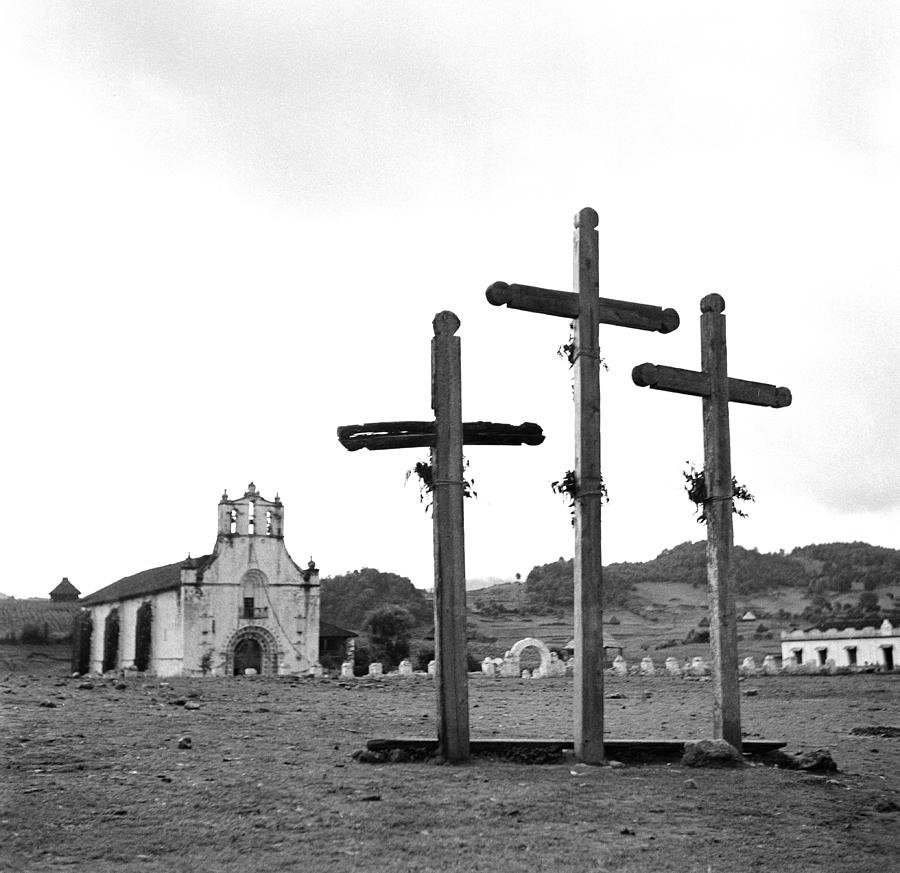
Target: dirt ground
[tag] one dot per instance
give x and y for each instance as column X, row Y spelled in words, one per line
column 95, row 779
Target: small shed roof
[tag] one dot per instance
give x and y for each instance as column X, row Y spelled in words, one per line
column 327, row 629
column 65, row 591
column 609, row 642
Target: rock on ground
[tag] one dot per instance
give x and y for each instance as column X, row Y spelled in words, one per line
column 711, row 753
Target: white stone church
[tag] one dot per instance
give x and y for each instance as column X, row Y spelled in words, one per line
column 245, row 607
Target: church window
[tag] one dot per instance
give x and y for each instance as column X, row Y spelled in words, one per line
column 251, row 517
column 143, row 637
column 111, row 641
column 248, row 608
column 233, row 521
column 268, row 523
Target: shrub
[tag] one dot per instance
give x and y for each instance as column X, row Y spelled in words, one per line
column 34, row 634
column 422, row 658
column 361, row 660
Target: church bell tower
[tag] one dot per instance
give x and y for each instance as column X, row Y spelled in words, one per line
column 251, row 515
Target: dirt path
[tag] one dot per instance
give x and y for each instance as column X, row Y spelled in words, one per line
column 94, row 779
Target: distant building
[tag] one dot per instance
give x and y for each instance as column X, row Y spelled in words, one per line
column 843, row 645
column 612, row 648
column 245, row 606
column 65, row 592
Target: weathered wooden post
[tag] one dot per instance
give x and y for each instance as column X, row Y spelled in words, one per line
column 451, row 673
column 445, row 436
column 716, row 389
column 588, row 310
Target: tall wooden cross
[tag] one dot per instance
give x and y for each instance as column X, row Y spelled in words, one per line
column 717, row 390
column 445, row 436
column 588, row 310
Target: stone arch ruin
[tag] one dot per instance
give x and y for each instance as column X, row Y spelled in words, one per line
column 512, row 660
column 251, row 648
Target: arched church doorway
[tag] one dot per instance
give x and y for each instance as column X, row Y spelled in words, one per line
column 251, row 647
column 248, row 654
column 111, row 641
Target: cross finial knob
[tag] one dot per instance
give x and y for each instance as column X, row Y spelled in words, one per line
column 713, row 303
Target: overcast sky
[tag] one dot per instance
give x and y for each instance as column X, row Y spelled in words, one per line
column 227, row 227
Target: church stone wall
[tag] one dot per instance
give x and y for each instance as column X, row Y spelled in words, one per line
column 127, row 627
column 99, row 615
column 167, row 634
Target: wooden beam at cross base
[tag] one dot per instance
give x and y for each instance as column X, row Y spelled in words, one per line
column 588, row 310
column 717, row 390
column 445, row 436
column 657, row 750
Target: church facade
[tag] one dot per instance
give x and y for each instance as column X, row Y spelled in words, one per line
column 245, row 607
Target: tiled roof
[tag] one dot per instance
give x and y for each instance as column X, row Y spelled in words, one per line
column 145, row 582
column 327, row 629
column 872, row 620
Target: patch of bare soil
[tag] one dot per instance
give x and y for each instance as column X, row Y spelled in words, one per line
column 95, row 779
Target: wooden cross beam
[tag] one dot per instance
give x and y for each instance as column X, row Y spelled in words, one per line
column 445, row 437
column 419, row 434
column 588, row 310
column 717, row 390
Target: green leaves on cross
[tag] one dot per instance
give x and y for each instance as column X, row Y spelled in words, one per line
column 695, row 486
column 568, row 487
column 425, row 472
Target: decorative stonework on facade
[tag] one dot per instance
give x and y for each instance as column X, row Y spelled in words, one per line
column 245, row 607
column 821, row 648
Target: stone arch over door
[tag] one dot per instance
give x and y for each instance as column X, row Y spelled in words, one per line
column 111, row 641
column 243, row 642
column 531, row 642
